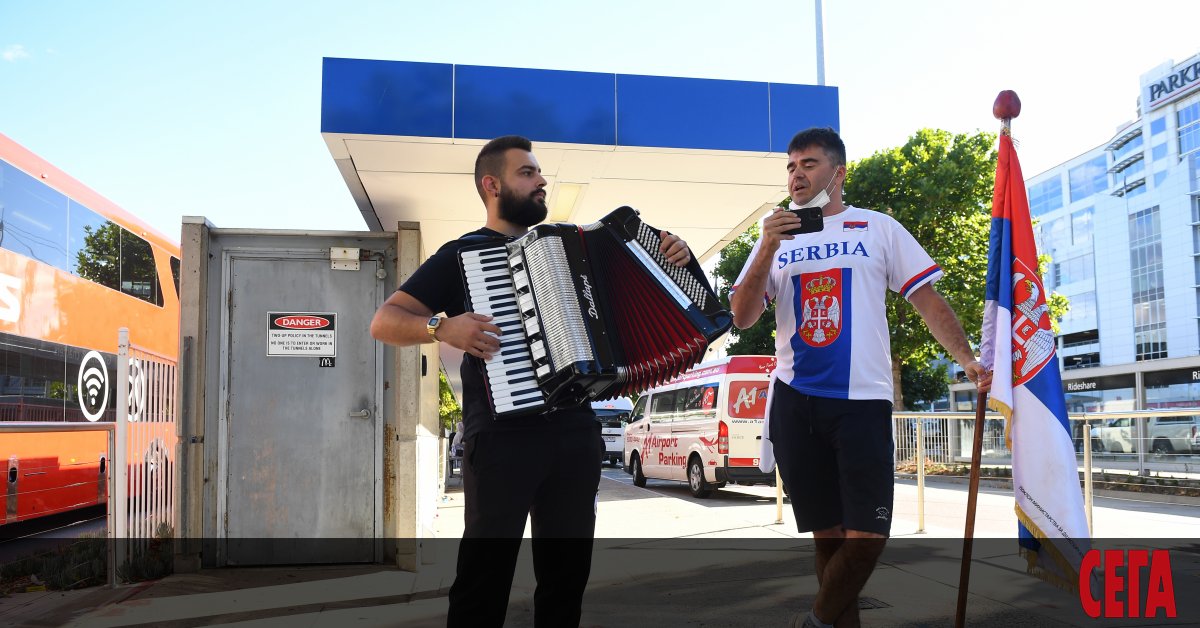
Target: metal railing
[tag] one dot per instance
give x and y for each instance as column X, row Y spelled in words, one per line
column 1164, row 443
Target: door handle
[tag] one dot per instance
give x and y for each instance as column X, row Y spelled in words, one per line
column 361, row 414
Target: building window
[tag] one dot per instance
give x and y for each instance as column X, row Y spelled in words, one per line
column 1045, row 197
column 1189, row 128
column 1081, row 338
column 1158, row 125
column 1075, row 269
column 1159, row 151
column 1081, row 227
column 1137, row 191
column 1159, row 177
column 1083, row 308
column 1146, row 275
column 1130, row 148
column 1133, row 145
column 1081, row 361
column 1055, row 235
column 1089, row 178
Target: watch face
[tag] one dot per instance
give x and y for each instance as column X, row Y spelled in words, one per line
column 433, row 322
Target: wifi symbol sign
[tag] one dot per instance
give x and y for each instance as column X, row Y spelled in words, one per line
column 92, row 389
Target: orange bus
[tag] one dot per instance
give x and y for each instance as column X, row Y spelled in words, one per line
column 74, row 268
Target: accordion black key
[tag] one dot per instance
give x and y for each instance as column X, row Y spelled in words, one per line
column 587, row 312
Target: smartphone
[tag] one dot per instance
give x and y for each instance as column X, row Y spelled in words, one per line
column 811, row 220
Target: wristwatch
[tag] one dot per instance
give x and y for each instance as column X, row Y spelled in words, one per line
column 432, row 326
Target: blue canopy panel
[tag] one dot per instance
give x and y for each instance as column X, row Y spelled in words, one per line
column 406, row 98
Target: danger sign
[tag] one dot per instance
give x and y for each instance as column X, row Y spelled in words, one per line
column 302, row 334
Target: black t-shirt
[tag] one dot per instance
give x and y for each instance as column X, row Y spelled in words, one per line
column 438, row 284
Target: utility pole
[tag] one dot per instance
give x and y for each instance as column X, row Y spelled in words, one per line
column 820, row 45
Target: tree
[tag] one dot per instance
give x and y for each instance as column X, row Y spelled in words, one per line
column 939, row 186
column 448, row 409
column 759, row 339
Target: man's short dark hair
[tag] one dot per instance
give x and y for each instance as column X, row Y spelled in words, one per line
column 491, row 158
column 824, row 137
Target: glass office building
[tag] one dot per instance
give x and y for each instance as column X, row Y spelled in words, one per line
column 1122, row 224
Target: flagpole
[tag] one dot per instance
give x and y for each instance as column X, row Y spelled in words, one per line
column 964, row 573
column 1006, row 107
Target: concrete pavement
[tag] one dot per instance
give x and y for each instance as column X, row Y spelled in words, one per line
column 662, row 558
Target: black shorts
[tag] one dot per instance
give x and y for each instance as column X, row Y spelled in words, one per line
column 836, row 458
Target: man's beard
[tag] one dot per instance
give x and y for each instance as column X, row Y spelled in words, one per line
column 524, row 211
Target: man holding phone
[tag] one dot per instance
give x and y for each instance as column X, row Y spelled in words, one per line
column 828, row 266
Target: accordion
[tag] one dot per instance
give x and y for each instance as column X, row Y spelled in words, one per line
column 587, row 312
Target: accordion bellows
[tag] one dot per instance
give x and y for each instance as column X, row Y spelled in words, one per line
column 587, row 313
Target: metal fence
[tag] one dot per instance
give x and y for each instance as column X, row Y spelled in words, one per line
column 1122, row 447
column 145, row 439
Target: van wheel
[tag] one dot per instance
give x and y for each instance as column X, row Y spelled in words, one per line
column 695, row 477
column 635, row 465
column 1162, row 447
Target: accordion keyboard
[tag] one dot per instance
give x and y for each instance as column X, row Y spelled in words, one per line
column 491, row 290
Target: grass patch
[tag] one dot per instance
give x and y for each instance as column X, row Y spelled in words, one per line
column 84, row 563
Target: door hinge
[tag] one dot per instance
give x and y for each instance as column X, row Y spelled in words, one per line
column 344, row 258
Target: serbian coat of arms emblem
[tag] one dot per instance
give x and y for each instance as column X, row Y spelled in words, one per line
column 1033, row 338
column 821, row 307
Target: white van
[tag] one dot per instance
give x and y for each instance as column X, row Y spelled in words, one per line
column 613, row 416
column 704, row 427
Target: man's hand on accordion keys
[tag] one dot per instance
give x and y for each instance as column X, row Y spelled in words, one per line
column 674, row 249
column 472, row 333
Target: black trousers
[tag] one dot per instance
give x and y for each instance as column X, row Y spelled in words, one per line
column 550, row 476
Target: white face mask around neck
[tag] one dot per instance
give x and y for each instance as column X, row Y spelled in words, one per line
column 820, row 200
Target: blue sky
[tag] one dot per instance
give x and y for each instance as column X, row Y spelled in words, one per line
column 213, row 108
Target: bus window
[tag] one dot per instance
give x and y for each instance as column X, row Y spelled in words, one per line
column 693, row 398
column 96, row 249
column 33, row 386
column 175, row 274
column 139, row 277
column 33, row 217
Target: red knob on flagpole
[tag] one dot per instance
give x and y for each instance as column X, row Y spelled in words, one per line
column 1007, row 105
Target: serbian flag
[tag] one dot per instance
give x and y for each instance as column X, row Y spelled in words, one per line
column 1018, row 345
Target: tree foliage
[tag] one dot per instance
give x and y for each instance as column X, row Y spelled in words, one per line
column 758, row 339
column 939, row 186
column 448, row 408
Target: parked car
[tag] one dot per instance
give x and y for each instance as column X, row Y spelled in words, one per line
column 613, row 416
column 1164, row 435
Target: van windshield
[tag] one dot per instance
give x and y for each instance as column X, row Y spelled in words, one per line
column 612, row 418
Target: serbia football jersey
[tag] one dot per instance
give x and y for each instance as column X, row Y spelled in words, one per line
column 829, row 289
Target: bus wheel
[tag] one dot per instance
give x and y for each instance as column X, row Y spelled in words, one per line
column 695, row 477
column 635, row 465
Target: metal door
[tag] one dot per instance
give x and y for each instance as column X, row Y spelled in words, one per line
column 301, row 432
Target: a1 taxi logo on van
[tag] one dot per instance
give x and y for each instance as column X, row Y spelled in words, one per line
column 747, row 400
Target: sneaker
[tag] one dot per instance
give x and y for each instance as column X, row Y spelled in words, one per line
column 802, row 620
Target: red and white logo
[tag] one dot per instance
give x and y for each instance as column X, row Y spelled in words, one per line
column 747, row 400
column 302, row 322
column 821, row 296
